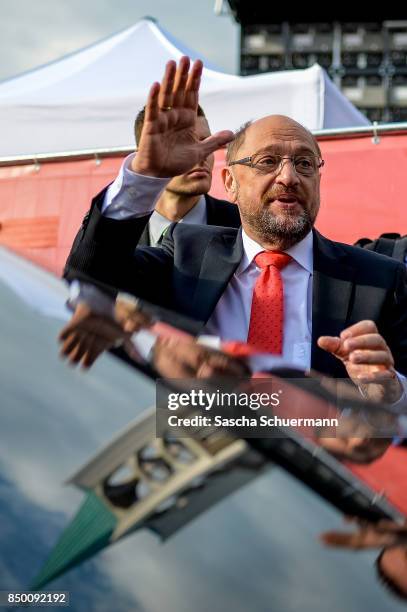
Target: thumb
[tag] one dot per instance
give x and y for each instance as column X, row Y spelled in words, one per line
column 216, row 141
column 332, row 344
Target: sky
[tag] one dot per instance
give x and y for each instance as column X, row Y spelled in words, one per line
column 33, row 33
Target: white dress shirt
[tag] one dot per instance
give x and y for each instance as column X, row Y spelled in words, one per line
column 157, row 223
column 130, row 186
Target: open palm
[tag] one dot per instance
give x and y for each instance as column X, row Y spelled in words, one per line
column 168, row 144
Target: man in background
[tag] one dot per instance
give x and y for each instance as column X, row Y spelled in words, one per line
column 186, row 198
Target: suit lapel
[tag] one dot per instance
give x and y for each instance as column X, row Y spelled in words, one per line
column 220, row 212
column 221, row 258
column 145, row 239
column 332, row 297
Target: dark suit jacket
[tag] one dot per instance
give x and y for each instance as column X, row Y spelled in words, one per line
column 189, row 272
column 218, row 212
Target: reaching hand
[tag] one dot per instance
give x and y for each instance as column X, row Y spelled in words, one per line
column 168, row 145
column 367, row 359
column 88, row 335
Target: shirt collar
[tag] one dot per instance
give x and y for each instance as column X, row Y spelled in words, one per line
column 197, row 214
column 158, row 223
column 302, row 252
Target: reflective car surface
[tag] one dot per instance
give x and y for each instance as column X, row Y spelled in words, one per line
column 256, row 549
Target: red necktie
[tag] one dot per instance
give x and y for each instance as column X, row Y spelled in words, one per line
column 267, row 313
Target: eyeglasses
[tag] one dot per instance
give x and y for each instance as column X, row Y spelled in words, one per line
column 269, row 163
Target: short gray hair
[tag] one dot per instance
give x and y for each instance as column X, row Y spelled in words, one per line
column 240, row 134
column 237, row 142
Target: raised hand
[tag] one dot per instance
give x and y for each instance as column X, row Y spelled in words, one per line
column 367, row 359
column 168, row 145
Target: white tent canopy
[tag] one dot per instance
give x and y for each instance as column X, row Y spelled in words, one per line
column 89, row 99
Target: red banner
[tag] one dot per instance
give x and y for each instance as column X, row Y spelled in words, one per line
column 362, row 195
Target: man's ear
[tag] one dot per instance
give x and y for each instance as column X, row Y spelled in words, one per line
column 230, row 184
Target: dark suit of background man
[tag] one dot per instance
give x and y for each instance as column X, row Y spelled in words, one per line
column 344, row 308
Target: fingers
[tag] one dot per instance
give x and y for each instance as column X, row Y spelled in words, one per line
column 181, row 79
column 82, row 313
column 368, row 342
column 107, row 330
column 87, row 335
column 192, row 86
column 337, row 539
column 71, row 340
column 165, row 95
column 391, row 526
column 367, row 359
column 76, row 347
column 179, row 88
column 86, row 358
column 360, row 344
column 97, row 347
column 364, row 539
column 152, row 107
column 69, row 329
column 366, row 374
column 376, row 357
column 350, row 337
column 84, row 348
column 98, row 325
column 359, row 329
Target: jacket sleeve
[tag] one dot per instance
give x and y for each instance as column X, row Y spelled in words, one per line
column 104, row 251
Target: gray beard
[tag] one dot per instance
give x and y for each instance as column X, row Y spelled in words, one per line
column 285, row 231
